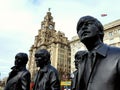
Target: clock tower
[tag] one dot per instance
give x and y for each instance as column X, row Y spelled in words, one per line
column 55, row 42
column 48, row 22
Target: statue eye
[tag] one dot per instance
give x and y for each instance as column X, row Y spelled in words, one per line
column 37, row 55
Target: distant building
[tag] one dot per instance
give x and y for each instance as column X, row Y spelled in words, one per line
column 3, row 82
column 111, row 37
column 112, row 33
column 56, row 43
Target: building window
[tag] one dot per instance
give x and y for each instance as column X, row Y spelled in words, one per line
column 110, row 34
column 62, row 46
column 118, row 30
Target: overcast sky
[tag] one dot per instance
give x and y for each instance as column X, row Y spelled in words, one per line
column 21, row 19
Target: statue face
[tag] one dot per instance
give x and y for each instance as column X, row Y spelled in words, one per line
column 39, row 59
column 18, row 60
column 87, row 29
column 76, row 63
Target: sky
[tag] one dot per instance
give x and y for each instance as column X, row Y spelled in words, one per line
column 20, row 21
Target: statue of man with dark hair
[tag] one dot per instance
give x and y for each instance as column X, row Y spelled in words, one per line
column 79, row 58
column 47, row 77
column 102, row 68
column 19, row 77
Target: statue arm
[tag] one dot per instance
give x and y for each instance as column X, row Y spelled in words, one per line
column 54, row 81
column 25, row 81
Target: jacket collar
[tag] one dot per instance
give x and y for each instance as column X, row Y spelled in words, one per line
column 102, row 49
column 45, row 68
column 16, row 68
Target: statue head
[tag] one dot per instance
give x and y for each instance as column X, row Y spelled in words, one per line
column 42, row 58
column 79, row 56
column 90, row 26
column 21, row 59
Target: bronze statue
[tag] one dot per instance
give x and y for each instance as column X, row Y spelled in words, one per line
column 19, row 77
column 47, row 77
column 79, row 58
column 102, row 68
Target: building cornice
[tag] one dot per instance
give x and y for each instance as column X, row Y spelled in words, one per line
column 112, row 24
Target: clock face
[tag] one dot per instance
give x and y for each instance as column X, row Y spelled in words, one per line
column 50, row 26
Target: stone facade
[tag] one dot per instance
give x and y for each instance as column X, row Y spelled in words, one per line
column 55, row 42
column 112, row 33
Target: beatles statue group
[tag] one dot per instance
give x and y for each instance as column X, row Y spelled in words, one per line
column 97, row 68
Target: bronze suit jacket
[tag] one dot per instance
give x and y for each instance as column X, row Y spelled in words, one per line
column 19, row 79
column 105, row 73
column 47, row 79
column 74, row 80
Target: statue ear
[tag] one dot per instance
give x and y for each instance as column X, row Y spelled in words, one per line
column 100, row 32
column 45, row 59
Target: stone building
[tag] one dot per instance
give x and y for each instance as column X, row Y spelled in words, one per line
column 55, row 42
column 112, row 33
column 111, row 37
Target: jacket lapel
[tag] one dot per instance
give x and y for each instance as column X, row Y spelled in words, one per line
column 100, row 51
column 80, row 73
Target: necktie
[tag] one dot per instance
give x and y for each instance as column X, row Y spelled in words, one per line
column 91, row 58
column 89, row 66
